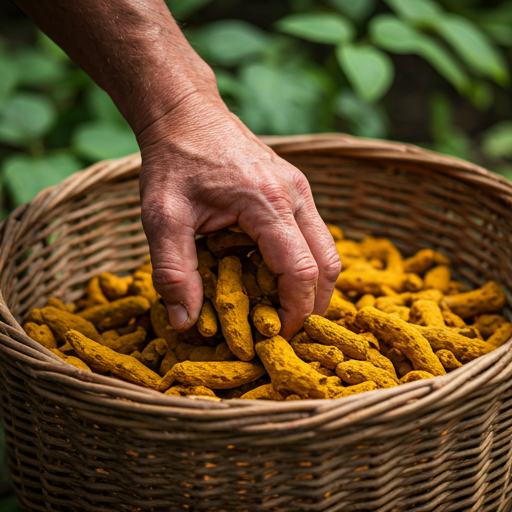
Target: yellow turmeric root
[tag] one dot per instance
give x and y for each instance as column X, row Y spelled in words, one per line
column 42, row 334
column 232, row 306
column 288, row 373
column 357, row 372
column 104, row 359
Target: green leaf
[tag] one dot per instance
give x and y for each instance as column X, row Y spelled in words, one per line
column 421, row 12
column 326, row 28
column 497, row 142
column 230, row 42
column 103, row 108
column 25, row 118
column 363, row 119
column 36, row 69
column 9, row 75
column 473, row 47
column 279, row 100
column 25, row 176
column 369, row 71
column 101, row 140
column 182, row 9
column 395, row 36
column 358, row 10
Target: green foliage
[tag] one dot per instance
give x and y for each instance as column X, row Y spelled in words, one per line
column 309, row 67
column 318, row 27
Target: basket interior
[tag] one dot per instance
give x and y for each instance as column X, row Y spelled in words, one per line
column 415, row 206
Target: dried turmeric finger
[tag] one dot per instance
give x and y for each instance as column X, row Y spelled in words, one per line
column 288, row 373
column 329, row 333
column 207, row 321
column 114, row 287
column 153, row 353
column 401, row 364
column 267, row 281
column 450, row 318
column 229, row 243
column 128, row 343
column 179, row 390
column 487, row 299
column 456, row 287
column 217, row 375
column 327, row 356
column 336, row 232
column 117, row 313
column 369, row 280
column 415, row 375
column 366, row 300
column 42, row 334
column 349, row 252
column 426, row 312
column 104, row 359
column 334, row 386
column 377, row 359
column 463, row 348
column 293, row 397
column 402, row 312
column 143, row 285
column 321, row 369
column 57, row 303
column 137, row 355
column 372, row 340
column 168, row 361
column 232, row 306
column 357, row 372
column 384, row 250
column 61, row 321
column 340, row 309
column 302, row 337
column 265, row 319
column 95, row 295
column 501, row 335
column 368, row 385
column 159, row 317
column 423, row 260
column 438, row 278
column 74, row 361
column 146, row 266
column 448, row 360
column 488, row 324
column 165, row 382
column 264, row 392
column 402, row 336
column 35, row 316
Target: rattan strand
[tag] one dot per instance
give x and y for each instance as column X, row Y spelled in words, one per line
column 79, row 441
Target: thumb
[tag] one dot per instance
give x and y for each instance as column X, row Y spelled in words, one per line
column 174, row 260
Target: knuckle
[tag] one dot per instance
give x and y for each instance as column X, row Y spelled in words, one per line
column 301, row 183
column 306, row 270
column 331, row 266
column 166, row 279
column 276, row 192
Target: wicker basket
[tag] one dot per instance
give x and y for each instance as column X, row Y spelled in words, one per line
column 80, row 441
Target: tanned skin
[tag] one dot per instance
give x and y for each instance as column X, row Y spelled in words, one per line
column 202, row 168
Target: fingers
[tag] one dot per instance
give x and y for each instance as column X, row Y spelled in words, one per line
column 324, row 252
column 288, row 256
column 174, row 260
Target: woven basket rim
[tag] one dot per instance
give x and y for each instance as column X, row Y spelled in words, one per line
column 402, row 400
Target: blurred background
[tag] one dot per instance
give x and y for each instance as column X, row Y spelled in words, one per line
column 436, row 73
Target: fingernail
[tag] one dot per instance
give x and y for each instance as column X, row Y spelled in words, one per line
column 178, row 315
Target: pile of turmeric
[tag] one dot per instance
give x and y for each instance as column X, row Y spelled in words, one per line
column 391, row 320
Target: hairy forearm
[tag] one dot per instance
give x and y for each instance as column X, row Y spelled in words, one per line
column 133, row 49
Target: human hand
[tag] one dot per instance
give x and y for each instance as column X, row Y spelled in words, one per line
column 203, row 170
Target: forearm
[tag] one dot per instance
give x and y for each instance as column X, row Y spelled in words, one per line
column 133, row 49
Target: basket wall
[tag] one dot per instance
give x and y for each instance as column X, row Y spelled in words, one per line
column 86, row 442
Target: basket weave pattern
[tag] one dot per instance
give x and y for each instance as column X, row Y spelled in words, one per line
column 80, row 441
